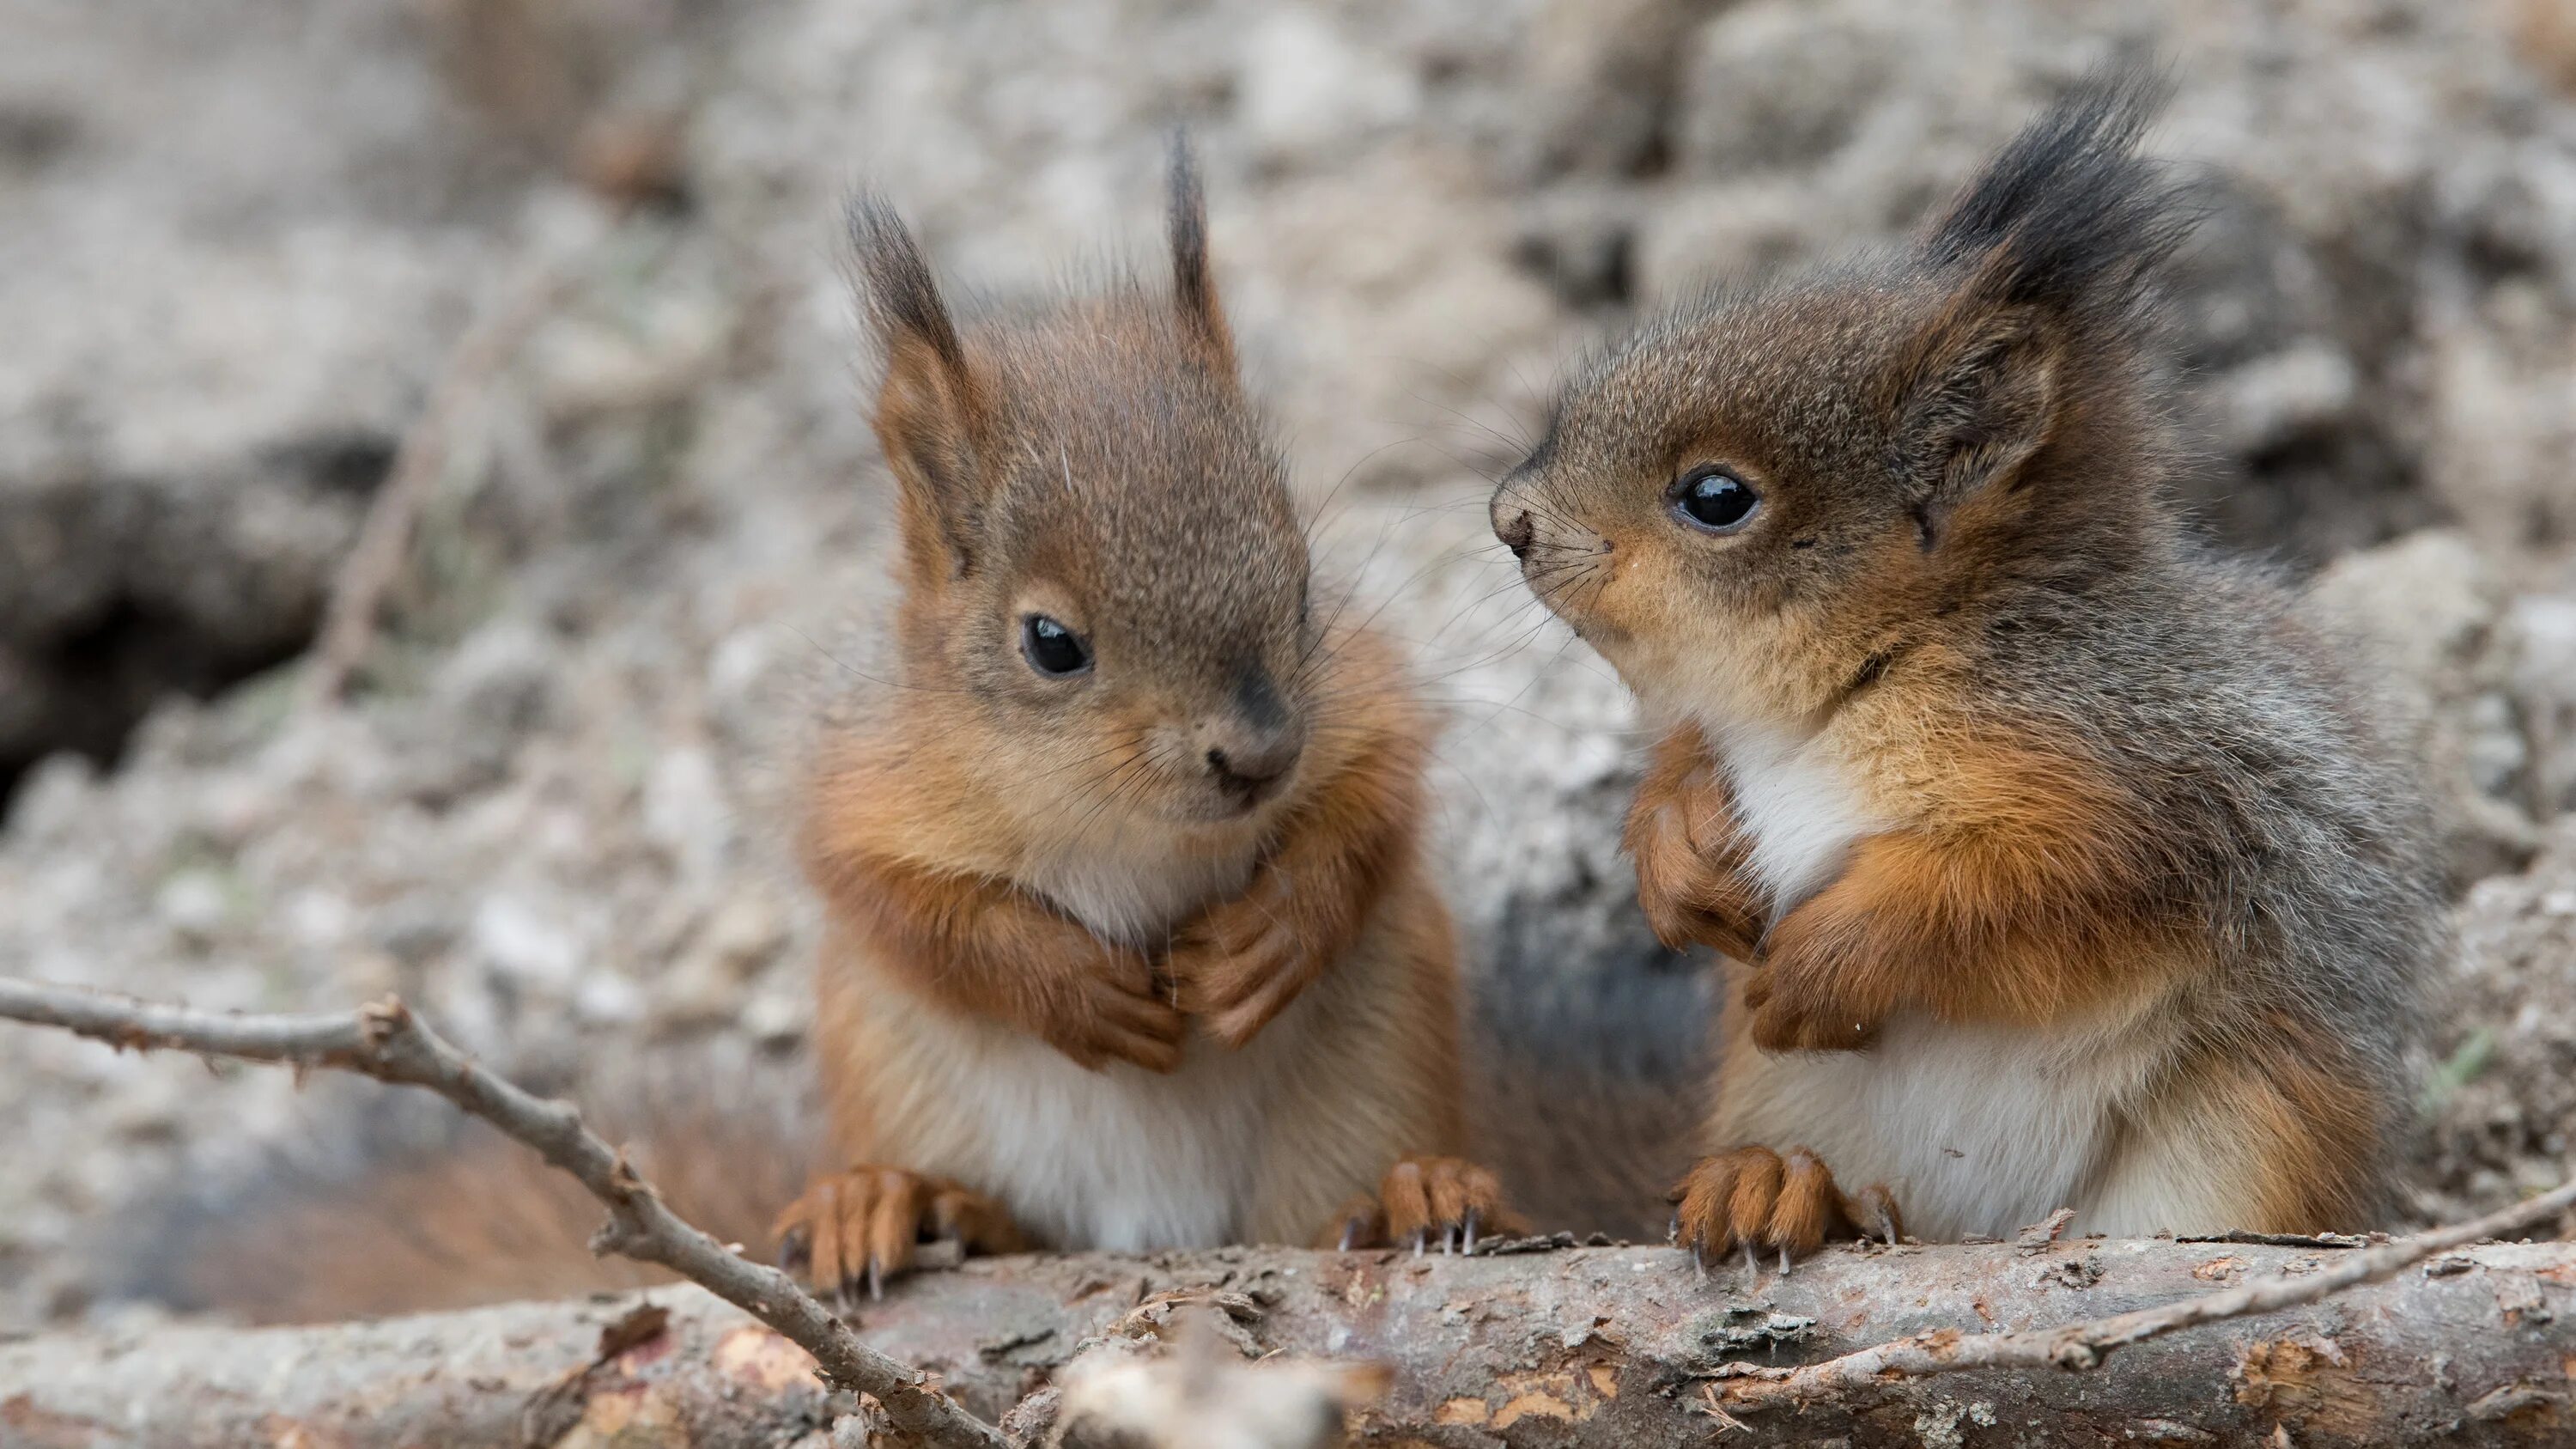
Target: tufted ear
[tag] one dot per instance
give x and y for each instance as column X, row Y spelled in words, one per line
column 1983, row 397
column 1193, row 281
column 932, row 410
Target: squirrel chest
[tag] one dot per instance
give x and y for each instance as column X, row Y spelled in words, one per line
column 1978, row 1129
column 1800, row 808
column 1121, row 1158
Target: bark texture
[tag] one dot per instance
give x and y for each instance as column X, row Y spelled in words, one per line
column 1583, row 1346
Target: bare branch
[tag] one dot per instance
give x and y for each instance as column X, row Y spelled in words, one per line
column 2086, row 1345
column 387, row 1042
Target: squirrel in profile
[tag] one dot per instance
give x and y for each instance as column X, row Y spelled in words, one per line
column 1130, row 942
column 2057, row 861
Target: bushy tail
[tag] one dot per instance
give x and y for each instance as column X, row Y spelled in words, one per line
column 465, row 1219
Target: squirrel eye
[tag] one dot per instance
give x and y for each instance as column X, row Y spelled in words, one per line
column 1713, row 500
column 1052, row 648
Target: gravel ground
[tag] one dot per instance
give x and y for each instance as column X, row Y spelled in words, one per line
column 245, row 239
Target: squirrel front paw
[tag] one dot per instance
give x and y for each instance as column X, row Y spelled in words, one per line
column 863, row 1224
column 1690, row 888
column 1097, row 1003
column 1754, row 1199
column 1243, row 961
column 1423, row 1200
column 1786, row 1015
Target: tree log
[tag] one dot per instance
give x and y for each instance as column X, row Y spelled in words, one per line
column 1571, row 1346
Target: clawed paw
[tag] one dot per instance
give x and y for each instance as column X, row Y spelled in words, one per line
column 1424, row 1201
column 863, row 1226
column 1755, row 1200
column 1690, row 895
column 1242, row 963
column 1783, row 1017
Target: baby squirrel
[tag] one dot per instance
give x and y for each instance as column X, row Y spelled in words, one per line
column 1131, row 944
column 1120, row 780
column 2057, row 862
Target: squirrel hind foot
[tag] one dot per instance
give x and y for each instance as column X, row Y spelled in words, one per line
column 857, row 1228
column 1424, row 1201
column 1752, row 1198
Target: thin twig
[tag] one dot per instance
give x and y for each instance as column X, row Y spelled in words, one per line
column 385, row 1041
column 375, row 561
column 2086, row 1345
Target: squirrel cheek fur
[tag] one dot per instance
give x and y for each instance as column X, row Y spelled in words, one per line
column 1132, row 950
column 2058, row 862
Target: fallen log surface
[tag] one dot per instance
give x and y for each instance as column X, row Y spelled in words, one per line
column 1570, row 1346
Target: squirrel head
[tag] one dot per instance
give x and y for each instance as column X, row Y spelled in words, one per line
column 1754, row 503
column 1105, row 582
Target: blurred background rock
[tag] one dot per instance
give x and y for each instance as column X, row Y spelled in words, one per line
column 245, row 239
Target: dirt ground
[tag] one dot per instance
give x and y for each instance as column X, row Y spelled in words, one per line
column 245, row 239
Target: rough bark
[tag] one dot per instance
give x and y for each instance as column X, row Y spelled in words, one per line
column 1596, row 1346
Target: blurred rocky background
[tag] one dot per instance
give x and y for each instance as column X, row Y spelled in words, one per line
column 572, row 263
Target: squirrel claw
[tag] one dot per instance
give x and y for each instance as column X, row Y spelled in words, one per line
column 1753, row 1199
column 1423, row 1201
column 860, row 1227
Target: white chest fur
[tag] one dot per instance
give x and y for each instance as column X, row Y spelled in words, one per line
column 1975, row 1129
column 1121, row 1158
column 1136, row 890
column 1117, row 1159
column 1796, row 805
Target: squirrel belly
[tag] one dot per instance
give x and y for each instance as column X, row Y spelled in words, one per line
column 1976, row 1128
column 1257, row 1144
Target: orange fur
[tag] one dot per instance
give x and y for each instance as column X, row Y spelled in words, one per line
column 994, row 949
column 2276, row 1103
column 1421, row 1201
column 1754, row 1198
column 1682, row 835
column 2016, row 891
column 1210, row 819
column 865, row 1223
column 1244, row 959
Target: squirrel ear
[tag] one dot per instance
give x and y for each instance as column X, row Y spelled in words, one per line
column 1193, row 281
column 930, row 407
column 1983, row 399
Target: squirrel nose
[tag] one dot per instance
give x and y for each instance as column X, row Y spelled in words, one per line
column 1513, row 526
column 1248, row 767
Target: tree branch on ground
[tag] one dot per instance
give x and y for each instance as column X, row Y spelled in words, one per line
column 387, row 1042
column 2322, row 1337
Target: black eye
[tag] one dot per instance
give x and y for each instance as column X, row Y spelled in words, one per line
column 1714, row 500
column 1052, row 648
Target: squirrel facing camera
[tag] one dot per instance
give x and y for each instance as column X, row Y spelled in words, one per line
column 2060, row 860
column 1099, row 547
column 1130, row 941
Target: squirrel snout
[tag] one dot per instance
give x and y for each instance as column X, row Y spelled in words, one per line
column 1512, row 524
column 1250, row 766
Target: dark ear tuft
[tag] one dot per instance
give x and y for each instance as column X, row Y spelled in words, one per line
column 1193, row 280
column 2068, row 216
column 895, row 285
column 930, row 407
